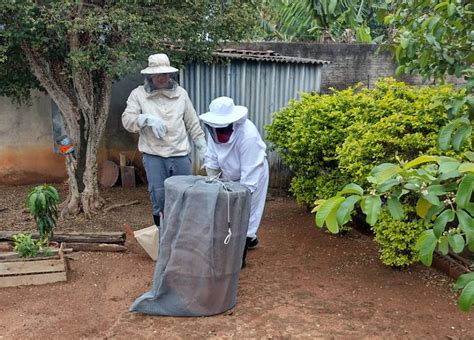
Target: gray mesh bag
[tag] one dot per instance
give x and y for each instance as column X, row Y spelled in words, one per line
column 201, row 245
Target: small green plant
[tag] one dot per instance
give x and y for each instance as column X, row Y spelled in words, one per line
column 25, row 246
column 43, row 201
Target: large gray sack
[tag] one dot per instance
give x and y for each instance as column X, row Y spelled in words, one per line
column 197, row 272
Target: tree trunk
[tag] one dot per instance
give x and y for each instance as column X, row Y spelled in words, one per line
column 84, row 106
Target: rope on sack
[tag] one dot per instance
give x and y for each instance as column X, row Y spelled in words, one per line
column 229, row 231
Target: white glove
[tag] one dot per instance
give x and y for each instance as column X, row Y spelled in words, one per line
column 156, row 124
column 212, row 172
column 201, row 147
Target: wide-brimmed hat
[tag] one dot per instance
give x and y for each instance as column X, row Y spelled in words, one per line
column 222, row 112
column 158, row 63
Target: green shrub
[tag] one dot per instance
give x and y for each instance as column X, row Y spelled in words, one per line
column 397, row 239
column 329, row 140
column 407, row 125
column 306, row 188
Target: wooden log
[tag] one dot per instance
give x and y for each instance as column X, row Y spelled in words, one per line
column 103, row 237
column 5, row 246
column 109, row 247
column 123, row 159
column 34, row 271
column 127, row 176
column 12, row 256
column 33, row 279
column 31, row 267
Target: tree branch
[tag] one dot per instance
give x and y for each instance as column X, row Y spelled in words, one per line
column 41, row 72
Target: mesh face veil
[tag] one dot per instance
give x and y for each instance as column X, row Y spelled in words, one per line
column 222, row 134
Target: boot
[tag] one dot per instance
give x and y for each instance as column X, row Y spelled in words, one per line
column 247, row 242
column 156, row 220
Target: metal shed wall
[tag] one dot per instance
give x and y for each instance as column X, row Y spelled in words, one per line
column 264, row 87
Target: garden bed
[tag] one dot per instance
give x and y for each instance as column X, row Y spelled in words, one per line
column 16, row 271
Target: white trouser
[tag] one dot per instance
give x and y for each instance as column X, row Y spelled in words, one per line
column 258, row 203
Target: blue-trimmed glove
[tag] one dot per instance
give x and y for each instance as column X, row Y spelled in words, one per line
column 156, row 124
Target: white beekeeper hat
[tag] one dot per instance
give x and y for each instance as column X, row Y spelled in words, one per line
column 158, row 63
column 222, row 112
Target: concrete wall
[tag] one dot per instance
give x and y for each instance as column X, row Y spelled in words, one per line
column 350, row 63
column 26, row 149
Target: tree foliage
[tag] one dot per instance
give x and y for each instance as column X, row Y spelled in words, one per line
column 433, row 38
column 307, row 20
column 75, row 49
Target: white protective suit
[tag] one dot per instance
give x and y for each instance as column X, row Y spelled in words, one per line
column 243, row 159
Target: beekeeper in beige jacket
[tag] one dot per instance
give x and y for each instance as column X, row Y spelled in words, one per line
column 163, row 115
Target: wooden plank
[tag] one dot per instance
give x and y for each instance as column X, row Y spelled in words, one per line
column 31, row 267
column 37, row 258
column 34, row 279
column 96, row 247
column 11, row 255
column 102, row 237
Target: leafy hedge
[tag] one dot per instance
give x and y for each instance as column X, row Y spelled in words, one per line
column 330, row 140
column 397, row 239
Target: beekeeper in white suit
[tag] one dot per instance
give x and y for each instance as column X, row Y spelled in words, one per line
column 236, row 150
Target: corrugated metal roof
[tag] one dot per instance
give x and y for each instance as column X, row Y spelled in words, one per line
column 269, row 55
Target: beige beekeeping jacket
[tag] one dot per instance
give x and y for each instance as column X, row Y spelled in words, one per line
column 175, row 109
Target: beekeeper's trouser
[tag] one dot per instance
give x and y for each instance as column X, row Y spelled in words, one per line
column 157, row 170
column 258, row 203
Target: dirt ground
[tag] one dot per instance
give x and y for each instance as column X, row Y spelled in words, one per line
column 300, row 282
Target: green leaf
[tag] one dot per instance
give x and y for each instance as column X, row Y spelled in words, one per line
column 447, row 164
column 332, row 6
column 345, row 209
column 352, row 189
column 443, row 245
column 42, row 200
column 449, row 175
column 463, row 196
column 466, row 223
column 469, row 155
column 451, row 9
column 444, row 136
column 326, row 208
column 466, row 299
column 432, row 198
column 441, row 5
column 32, row 202
column 463, row 280
column 456, row 242
column 422, row 207
column 395, row 208
column 436, row 189
column 460, row 136
column 384, row 171
column 470, row 209
column 317, row 204
column 387, row 185
column 434, row 211
column 440, row 222
column 371, row 207
column 420, row 160
column 331, row 222
column 466, row 167
column 425, row 245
